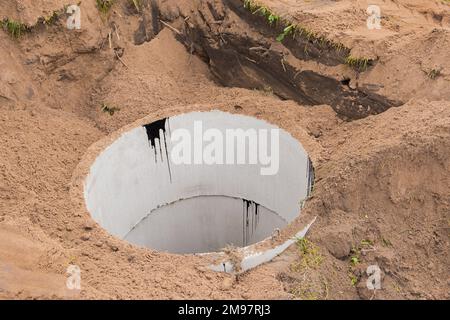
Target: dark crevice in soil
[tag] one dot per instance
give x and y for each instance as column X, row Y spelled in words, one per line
column 149, row 26
column 346, row 82
column 241, row 51
column 301, row 47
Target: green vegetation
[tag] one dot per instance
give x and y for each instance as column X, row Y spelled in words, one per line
column 291, row 30
column 267, row 90
column 354, row 260
column 14, row 28
column 104, row 5
column 386, row 242
column 52, row 19
column 433, row 73
column 353, row 278
column 255, row 8
column 271, row 17
column 299, row 31
column 366, row 243
column 310, row 289
column 137, row 4
column 304, row 294
column 309, row 254
column 108, row 109
column 360, row 64
column 251, row 5
column 308, row 286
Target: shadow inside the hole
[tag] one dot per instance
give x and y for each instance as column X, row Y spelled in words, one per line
column 205, row 224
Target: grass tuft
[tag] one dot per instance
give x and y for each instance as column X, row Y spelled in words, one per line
column 433, row 73
column 137, row 4
column 287, row 31
column 14, row 28
column 304, row 293
column 359, row 64
column 386, row 242
column 353, row 278
column 51, row 19
column 104, row 5
column 291, row 30
column 309, row 253
column 108, row 109
column 354, row 260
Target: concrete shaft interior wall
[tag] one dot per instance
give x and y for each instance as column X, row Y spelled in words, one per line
column 136, row 192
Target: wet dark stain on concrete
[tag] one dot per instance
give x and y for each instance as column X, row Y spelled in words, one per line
column 157, row 130
column 310, row 176
column 250, row 219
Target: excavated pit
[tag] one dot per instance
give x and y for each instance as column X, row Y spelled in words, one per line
column 137, row 192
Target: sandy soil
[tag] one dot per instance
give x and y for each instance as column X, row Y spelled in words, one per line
column 382, row 191
column 413, row 41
